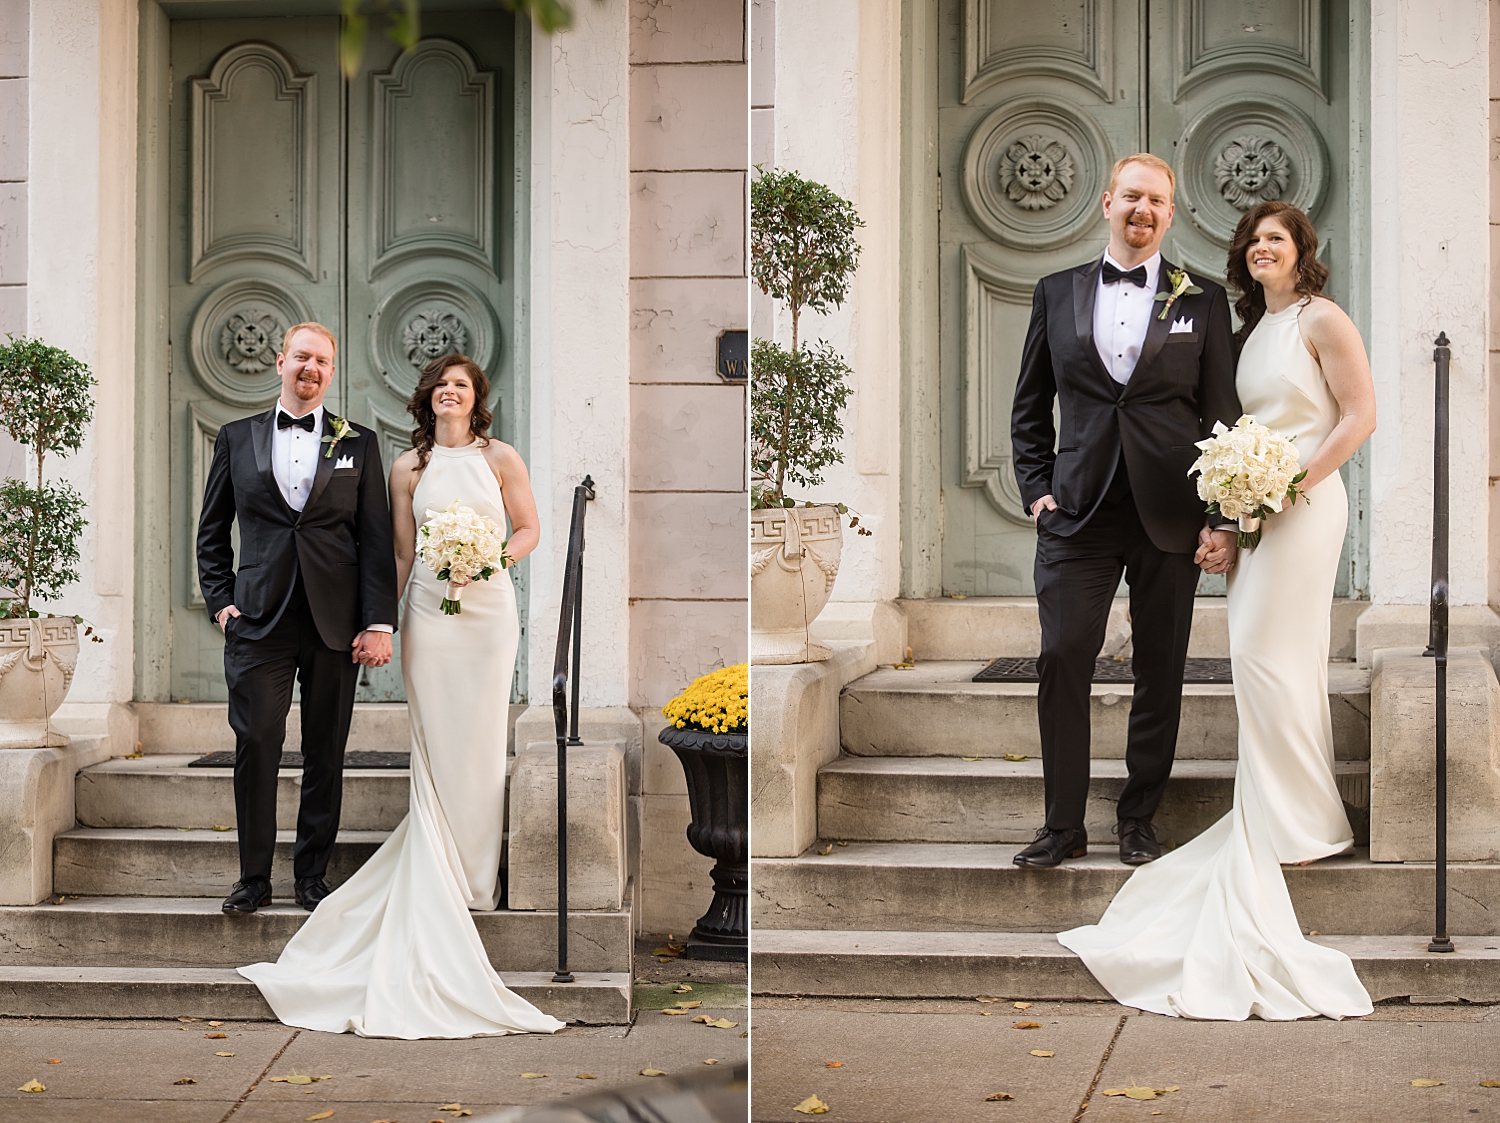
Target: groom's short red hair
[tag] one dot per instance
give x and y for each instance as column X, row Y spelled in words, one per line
column 1150, row 161
column 309, row 325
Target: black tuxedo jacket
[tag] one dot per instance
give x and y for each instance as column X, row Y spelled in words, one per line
column 340, row 541
column 1182, row 383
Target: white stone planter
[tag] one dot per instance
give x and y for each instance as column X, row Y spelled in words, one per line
column 37, row 658
column 794, row 560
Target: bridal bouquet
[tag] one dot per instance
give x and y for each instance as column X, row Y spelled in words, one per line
column 1247, row 473
column 460, row 545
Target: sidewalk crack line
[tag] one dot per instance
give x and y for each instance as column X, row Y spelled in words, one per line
column 1098, row 1072
column 295, row 1034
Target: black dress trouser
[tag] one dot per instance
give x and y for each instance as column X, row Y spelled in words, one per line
column 260, row 673
column 1076, row 580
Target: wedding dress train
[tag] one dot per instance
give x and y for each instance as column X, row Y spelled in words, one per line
column 393, row 952
column 1208, row 930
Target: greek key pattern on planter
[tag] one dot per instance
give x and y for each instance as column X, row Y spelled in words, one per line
column 1250, row 170
column 791, row 540
column 1036, row 172
column 431, row 333
column 17, row 634
column 250, row 339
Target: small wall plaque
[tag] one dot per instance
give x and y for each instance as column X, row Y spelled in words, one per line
column 734, row 356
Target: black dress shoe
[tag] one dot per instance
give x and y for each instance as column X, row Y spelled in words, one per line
column 1051, row 847
column 311, row 890
column 247, row 896
column 1138, row 843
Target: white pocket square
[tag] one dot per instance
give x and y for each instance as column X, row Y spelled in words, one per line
column 1181, row 324
column 348, row 461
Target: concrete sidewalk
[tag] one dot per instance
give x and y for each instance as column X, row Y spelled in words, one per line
column 128, row 1071
column 905, row 1061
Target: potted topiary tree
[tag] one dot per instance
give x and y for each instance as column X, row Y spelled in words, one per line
column 803, row 254
column 710, row 733
column 45, row 405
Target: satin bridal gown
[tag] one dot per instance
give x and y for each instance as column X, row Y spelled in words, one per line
column 393, row 952
column 1208, row 929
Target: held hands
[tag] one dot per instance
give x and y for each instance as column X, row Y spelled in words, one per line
column 371, row 649
column 1217, row 550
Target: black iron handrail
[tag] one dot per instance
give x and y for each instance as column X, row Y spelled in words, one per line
column 1437, row 634
column 569, row 638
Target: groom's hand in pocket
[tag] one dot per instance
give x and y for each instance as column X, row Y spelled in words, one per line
column 372, row 649
column 222, row 619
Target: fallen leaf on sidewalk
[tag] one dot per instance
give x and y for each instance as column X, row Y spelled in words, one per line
column 689, row 1005
column 970, row 759
column 986, row 1013
column 298, row 1078
column 189, row 1019
column 833, row 1064
column 223, row 1054
column 704, row 1018
column 185, row 1080
column 1140, row 1092
column 1027, row 1025
column 985, row 998
column 826, row 850
column 218, row 828
column 32, row 1085
column 1022, row 1005
column 999, row 1096
column 670, row 950
column 1043, row 1053
column 533, row 1076
column 456, row 1110
column 669, row 1010
column 1482, row 1083
column 213, row 1036
column 216, row 1025
column 723, row 1023
column 586, row 1076
column 812, row 1106
column 320, row 1115
column 711, row 1061
column 843, row 844
column 1015, row 757
column 683, row 988
column 1424, row 1082
column 652, row 1072
column 56, row 1062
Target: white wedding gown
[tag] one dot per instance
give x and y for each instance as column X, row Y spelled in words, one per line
column 393, row 952
column 1208, row 929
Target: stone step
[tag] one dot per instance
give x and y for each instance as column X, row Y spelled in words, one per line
column 1018, row 965
column 160, row 790
column 203, row 727
column 162, row 932
column 949, row 799
column 220, row 993
column 949, row 887
column 161, row 862
column 934, row 710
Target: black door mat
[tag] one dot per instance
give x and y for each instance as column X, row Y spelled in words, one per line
column 294, row 760
column 1011, row 669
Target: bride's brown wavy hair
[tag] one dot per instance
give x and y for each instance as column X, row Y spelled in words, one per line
column 1312, row 274
column 424, row 435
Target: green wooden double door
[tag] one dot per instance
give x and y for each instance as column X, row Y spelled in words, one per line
column 1247, row 99
column 380, row 206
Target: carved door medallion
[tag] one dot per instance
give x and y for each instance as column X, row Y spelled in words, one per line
column 1247, row 99
column 373, row 206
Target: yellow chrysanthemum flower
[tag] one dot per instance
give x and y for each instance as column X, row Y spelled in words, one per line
column 718, row 702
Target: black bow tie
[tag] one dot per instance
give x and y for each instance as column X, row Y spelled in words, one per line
column 285, row 420
column 1136, row 276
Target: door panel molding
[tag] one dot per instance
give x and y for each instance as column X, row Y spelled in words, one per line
column 420, row 206
column 1208, row 47
column 987, row 391
column 1235, row 154
column 428, row 317
column 236, row 334
column 1033, row 170
column 202, row 433
column 272, row 184
column 1087, row 60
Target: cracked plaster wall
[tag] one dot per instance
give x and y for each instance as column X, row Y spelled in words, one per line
column 74, row 248
column 829, row 107
column 688, row 501
column 1430, row 89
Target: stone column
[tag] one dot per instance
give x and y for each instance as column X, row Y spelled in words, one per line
column 1429, row 256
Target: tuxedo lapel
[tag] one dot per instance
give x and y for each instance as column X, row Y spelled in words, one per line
column 324, row 471
column 1156, row 327
column 260, row 438
column 1085, row 293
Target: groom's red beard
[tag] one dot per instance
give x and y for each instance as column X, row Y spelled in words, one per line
column 305, row 390
column 1139, row 235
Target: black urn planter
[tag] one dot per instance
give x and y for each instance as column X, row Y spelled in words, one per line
column 716, row 765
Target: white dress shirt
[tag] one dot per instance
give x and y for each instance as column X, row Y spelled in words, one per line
column 1122, row 313
column 294, row 463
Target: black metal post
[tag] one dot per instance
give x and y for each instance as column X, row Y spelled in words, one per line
column 1437, row 641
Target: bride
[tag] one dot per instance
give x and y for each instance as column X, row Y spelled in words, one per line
column 1208, row 930
column 393, row 952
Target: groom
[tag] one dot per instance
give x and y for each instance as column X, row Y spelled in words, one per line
column 1135, row 391
column 314, row 598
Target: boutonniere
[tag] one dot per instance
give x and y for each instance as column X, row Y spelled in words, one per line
column 341, row 429
column 1182, row 285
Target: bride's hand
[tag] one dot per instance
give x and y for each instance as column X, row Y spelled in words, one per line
column 1216, row 551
